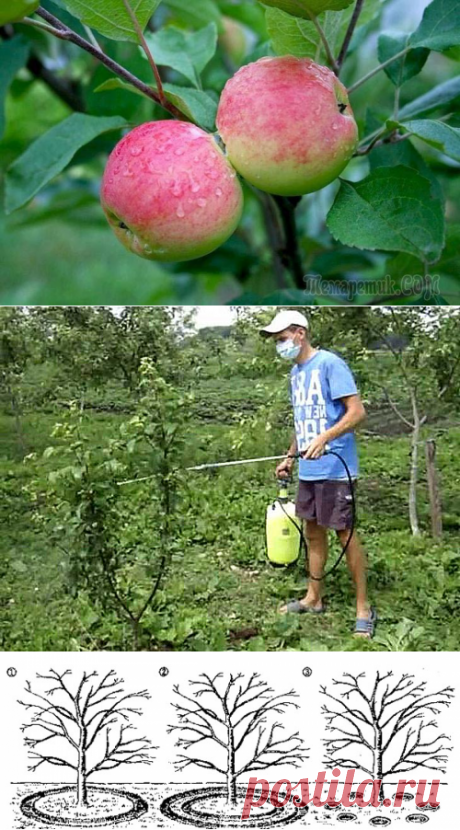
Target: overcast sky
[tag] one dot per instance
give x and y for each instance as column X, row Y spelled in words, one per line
column 215, row 315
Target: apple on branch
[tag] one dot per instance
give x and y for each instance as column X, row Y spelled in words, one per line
column 287, row 125
column 169, row 192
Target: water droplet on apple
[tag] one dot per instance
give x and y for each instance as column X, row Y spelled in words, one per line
column 136, row 151
column 180, row 212
column 202, row 203
column 335, row 126
column 195, row 132
column 179, row 151
column 195, row 187
column 213, row 174
column 177, row 190
column 148, row 249
column 127, row 172
column 218, row 191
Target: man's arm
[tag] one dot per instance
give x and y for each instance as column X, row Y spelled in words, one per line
column 354, row 414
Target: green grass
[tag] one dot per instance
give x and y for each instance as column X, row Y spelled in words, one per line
column 220, row 591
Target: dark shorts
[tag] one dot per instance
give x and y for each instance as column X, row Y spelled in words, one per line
column 329, row 502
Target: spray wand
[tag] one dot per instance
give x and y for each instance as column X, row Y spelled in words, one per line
column 296, row 455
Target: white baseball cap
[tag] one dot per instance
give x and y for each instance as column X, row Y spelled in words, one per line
column 283, row 320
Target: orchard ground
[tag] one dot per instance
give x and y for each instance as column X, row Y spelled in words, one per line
column 222, row 593
column 155, row 793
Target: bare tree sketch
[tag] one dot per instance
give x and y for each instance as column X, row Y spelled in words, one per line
column 235, row 715
column 389, row 725
column 70, row 722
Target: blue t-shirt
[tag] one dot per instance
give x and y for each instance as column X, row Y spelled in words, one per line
column 316, row 388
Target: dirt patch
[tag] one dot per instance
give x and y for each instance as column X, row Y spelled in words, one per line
column 206, row 807
column 106, row 806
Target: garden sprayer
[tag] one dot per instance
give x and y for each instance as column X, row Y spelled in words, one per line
column 284, row 533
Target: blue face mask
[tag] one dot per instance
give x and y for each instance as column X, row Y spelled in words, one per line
column 287, row 349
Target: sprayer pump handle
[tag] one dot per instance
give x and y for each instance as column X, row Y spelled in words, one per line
column 299, row 455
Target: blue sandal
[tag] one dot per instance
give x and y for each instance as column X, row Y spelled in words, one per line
column 367, row 627
column 297, row 607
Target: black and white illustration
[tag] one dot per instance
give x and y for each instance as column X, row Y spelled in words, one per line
column 228, row 740
column 86, row 729
column 240, row 716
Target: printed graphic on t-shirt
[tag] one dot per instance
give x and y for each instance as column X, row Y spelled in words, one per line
column 309, row 408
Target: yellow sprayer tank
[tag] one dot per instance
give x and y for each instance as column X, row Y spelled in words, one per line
column 282, row 529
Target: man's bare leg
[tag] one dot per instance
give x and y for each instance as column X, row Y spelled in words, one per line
column 357, row 564
column 317, row 555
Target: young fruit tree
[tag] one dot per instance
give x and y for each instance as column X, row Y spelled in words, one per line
column 385, row 728
column 428, row 366
column 314, row 142
column 84, row 727
column 234, row 722
column 112, row 508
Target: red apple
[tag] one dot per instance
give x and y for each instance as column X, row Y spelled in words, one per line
column 169, row 192
column 287, row 125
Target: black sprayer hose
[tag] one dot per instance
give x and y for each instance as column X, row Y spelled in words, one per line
column 353, row 521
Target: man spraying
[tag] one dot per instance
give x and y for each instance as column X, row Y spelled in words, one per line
column 327, row 409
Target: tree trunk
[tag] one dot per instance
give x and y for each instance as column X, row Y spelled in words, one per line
column 433, row 489
column 231, row 776
column 135, row 633
column 414, row 468
column 17, row 420
column 82, row 774
column 377, row 768
column 378, row 760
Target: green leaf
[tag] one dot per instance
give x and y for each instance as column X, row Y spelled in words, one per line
column 404, row 153
column 393, row 209
column 446, row 93
column 406, row 67
column 17, row 9
column 437, row 134
column 187, row 53
column 291, row 35
column 13, row 55
column 194, row 103
column 305, row 8
column 196, row 14
column 440, row 26
column 448, row 264
column 110, row 18
column 50, row 154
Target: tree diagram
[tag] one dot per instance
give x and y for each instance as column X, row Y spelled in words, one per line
column 233, row 722
column 387, row 728
column 86, row 728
